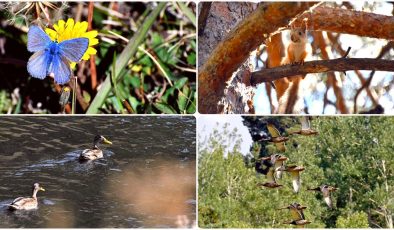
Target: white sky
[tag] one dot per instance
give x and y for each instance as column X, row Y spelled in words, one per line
column 206, row 124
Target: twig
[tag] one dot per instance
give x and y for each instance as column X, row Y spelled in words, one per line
column 347, row 52
column 366, row 84
column 93, row 72
column 128, row 106
column 74, row 99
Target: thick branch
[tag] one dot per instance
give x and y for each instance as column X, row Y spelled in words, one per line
column 321, row 66
column 350, row 22
column 202, row 18
column 229, row 54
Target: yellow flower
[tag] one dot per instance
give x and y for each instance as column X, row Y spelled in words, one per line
column 69, row 30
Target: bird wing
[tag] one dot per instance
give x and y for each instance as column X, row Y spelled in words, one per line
column 270, row 175
column 296, row 180
column 278, row 165
column 17, row 199
column 273, row 131
column 280, row 146
column 328, row 201
column 21, row 201
column 297, row 214
column 326, row 195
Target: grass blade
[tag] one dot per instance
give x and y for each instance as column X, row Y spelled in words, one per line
column 128, row 52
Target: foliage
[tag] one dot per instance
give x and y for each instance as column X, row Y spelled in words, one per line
column 351, row 153
column 158, row 78
column 355, row 220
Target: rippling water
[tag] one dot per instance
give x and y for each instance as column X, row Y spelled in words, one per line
column 146, row 178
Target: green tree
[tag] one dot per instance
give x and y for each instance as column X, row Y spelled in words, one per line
column 353, row 154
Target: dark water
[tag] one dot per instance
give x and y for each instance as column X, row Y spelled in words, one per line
column 146, row 178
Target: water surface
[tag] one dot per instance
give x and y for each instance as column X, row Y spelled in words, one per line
column 146, row 178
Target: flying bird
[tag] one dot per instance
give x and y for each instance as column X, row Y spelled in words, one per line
column 306, row 129
column 296, row 211
column 271, row 181
column 276, row 138
column 277, row 161
column 294, row 171
column 326, row 191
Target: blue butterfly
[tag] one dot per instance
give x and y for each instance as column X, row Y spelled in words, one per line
column 52, row 57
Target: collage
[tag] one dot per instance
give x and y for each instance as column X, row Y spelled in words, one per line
column 197, row 114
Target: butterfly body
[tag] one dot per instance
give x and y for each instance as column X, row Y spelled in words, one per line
column 51, row 57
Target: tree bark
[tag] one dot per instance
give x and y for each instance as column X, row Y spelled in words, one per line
column 349, row 22
column 229, row 55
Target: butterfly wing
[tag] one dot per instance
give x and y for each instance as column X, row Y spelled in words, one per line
column 73, row 49
column 61, row 69
column 37, row 39
column 38, row 63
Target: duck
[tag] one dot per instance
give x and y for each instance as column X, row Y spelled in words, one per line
column 298, row 223
column 274, row 160
column 27, row 203
column 276, row 138
column 277, row 161
column 305, row 128
column 94, row 152
column 294, row 171
column 271, row 181
column 326, row 191
column 296, row 211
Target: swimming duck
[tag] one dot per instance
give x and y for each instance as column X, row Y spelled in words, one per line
column 94, row 153
column 26, row 203
column 294, row 171
column 305, row 128
column 326, row 191
column 276, row 138
column 298, row 223
column 296, row 211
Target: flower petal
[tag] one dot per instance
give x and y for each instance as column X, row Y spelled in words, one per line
column 93, row 41
column 51, row 33
column 84, row 27
column 91, row 34
column 91, row 51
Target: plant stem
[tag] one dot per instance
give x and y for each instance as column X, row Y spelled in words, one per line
column 74, row 101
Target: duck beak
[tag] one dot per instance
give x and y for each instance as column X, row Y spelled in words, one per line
column 107, row 142
column 42, row 189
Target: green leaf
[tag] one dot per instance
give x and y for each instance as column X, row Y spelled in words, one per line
column 183, row 99
column 191, row 59
column 191, row 109
column 165, row 108
column 180, row 82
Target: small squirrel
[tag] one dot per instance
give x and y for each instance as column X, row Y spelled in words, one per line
column 297, row 51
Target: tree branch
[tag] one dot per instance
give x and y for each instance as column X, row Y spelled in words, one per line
column 343, row 21
column 321, row 66
column 229, row 54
